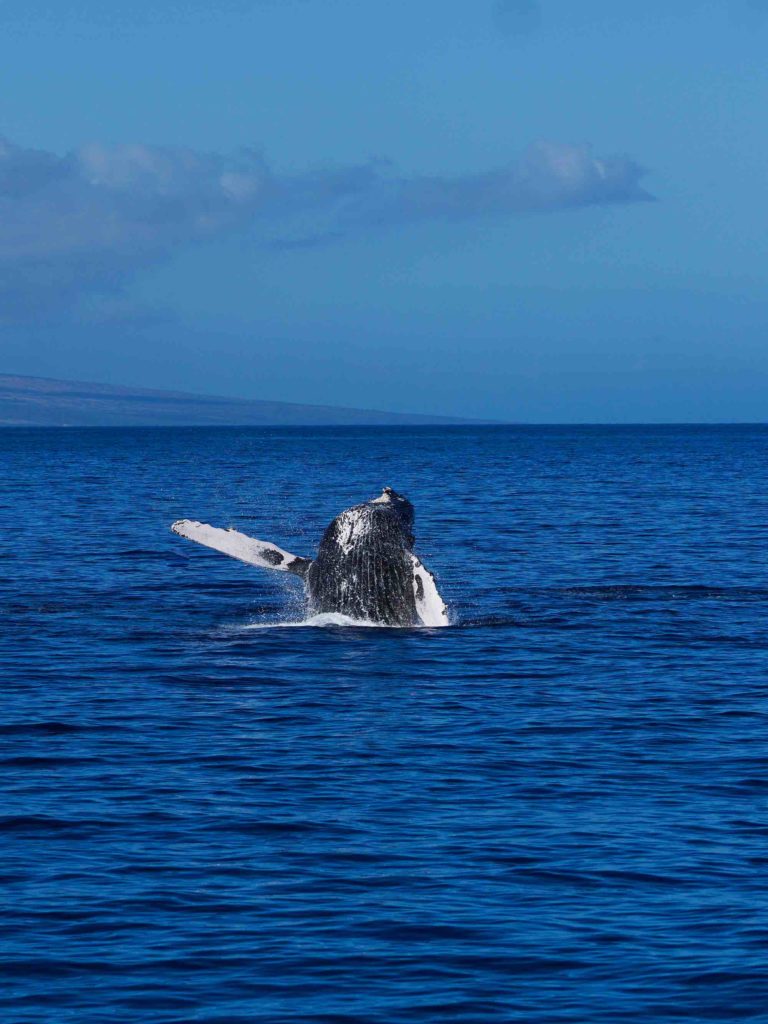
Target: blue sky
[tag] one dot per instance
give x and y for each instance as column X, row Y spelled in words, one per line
column 548, row 211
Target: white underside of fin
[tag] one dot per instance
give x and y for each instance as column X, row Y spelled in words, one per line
column 237, row 545
column 429, row 605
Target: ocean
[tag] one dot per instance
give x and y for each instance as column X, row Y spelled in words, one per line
column 551, row 810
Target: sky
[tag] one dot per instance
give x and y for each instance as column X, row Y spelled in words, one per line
column 522, row 210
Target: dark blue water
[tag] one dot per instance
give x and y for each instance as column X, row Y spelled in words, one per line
column 552, row 811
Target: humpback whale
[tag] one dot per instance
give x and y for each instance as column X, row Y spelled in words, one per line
column 365, row 567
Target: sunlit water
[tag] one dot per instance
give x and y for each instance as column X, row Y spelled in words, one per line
column 552, row 810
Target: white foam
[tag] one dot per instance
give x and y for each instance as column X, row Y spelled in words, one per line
column 322, row 620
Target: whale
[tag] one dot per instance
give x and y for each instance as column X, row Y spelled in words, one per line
column 365, row 567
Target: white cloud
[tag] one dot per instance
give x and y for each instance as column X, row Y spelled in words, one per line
column 82, row 223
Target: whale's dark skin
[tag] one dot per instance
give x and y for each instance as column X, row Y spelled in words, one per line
column 365, row 567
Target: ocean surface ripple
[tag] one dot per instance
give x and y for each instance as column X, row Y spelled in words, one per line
column 553, row 810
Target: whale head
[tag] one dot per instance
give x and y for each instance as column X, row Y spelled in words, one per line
column 365, row 564
column 398, row 504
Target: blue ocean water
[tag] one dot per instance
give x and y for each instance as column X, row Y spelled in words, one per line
column 553, row 810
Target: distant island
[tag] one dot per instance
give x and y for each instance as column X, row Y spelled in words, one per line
column 41, row 402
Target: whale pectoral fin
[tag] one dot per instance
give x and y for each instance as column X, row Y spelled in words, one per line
column 430, row 607
column 245, row 549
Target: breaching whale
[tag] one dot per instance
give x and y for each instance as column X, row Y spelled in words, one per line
column 365, row 567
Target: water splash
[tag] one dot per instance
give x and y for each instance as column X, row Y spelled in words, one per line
column 324, row 620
